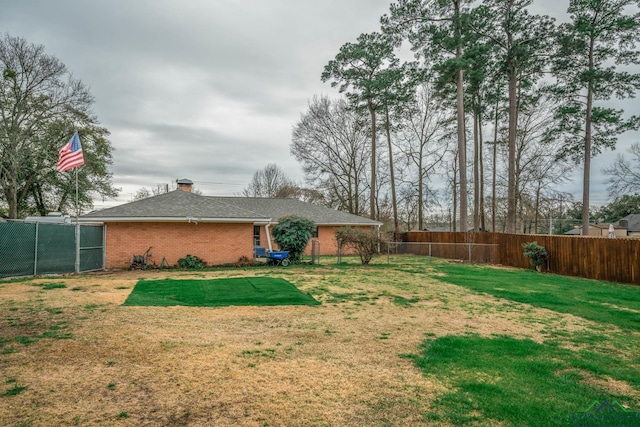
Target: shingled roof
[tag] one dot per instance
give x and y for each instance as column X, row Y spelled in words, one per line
column 179, row 205
column 277, row 208
column 633, row 222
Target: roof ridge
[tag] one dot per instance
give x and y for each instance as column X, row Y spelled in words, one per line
column 237, row 207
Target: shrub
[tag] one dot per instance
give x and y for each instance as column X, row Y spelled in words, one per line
column 243, row 261
column 364, row 243
column 536, row 253
column 191, row 261
column 292, row 233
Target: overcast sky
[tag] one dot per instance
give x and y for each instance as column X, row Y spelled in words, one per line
column 208, row 90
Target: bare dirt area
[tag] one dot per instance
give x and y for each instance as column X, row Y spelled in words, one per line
column 74, row 355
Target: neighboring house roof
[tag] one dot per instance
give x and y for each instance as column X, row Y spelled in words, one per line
column 633, row 222
column 605, row 226
column 438, row 229
column 179, row 205
column 601, row 226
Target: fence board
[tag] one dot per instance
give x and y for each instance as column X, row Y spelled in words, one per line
column 616, row 260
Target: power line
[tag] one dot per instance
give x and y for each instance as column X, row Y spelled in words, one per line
column 216, row 183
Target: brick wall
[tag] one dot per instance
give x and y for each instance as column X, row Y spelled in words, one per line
column 214, row 243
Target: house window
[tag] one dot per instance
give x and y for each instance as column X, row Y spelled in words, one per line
column 314, row 233
column 256, row 235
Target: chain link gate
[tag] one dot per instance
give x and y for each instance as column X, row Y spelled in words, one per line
column 28, row 249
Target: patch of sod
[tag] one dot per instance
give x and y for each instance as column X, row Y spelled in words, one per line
column 605, row 302
column 511, row 382
column 218, row 293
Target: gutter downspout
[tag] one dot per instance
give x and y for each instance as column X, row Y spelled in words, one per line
column 266, row 229
column 379, row 239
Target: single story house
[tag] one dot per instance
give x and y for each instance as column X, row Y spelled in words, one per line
column 632, row 224
column 599, row 230
column 602, row 230
column 217, row 229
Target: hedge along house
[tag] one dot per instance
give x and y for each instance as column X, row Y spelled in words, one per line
column 220, row 230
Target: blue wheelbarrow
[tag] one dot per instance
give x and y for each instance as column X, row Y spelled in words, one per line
column 278, row 257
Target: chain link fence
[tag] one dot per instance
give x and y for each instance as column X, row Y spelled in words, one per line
column 469, row 252
column 39, row 248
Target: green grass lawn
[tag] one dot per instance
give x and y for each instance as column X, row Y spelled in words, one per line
column 519, row 382
column 516, row 382
column 604, row 302
column 497, row 347
column 218, row 293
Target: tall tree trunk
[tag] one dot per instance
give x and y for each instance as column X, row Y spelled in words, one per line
column 462, row 144
column 38, row 199
column 394, row 201
column 454, row 191
column 511, row 180
column 356, row 183
column 495, row 168
column 476, row 170
column 587, row 149
column 350, row 194
column 12, row 201
column 420, row 189
column 10, row 188
column 481, row 167
column 462, row 156
column 537, row 208
column 372, row 202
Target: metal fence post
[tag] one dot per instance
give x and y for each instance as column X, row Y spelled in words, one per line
column 104, row 246
column 77, row 266
column 35, row 253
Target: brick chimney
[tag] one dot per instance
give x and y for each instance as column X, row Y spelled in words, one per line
column 184, row 184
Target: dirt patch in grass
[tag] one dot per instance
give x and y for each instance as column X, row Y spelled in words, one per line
column 613, row 386
column 334, row 364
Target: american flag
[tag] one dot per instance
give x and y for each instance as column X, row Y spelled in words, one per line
column 71, row 154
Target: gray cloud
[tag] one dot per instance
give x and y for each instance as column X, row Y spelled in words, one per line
column 200, row 89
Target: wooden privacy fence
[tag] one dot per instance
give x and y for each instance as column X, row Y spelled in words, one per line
column 616, row 260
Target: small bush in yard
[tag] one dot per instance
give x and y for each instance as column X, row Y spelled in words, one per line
column 364, row 243
column 292, row 233
column 536, row 253
column 191, row 261
column 244, row 261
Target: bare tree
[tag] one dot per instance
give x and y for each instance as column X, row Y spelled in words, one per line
column 271, row 181
column 624, row 174
column 437, row 30
column 41, row 105
column 420, row 142
column 538, row 165
column 142, row 193
column 361, row 70
column 309, row 195
column 331, row 142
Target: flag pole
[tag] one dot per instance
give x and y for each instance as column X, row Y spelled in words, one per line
column 77, row 263
column 71, row 157
column 77, row 204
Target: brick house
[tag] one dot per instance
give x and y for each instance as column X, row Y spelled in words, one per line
column 218, row 229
